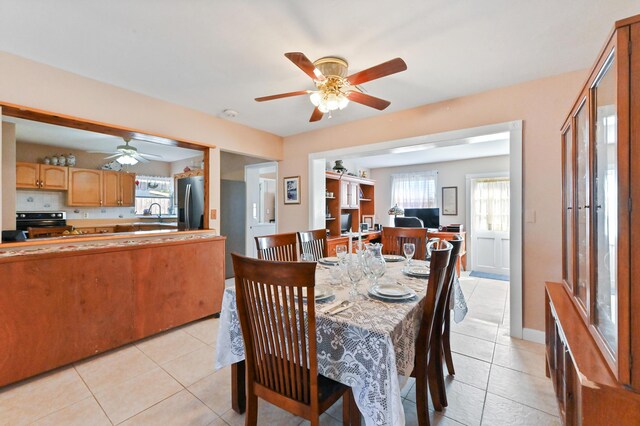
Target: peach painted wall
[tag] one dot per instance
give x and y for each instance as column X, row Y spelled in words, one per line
column 36, row 85
column 541, row 104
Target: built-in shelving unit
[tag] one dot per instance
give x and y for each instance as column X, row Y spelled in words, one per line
column 353, row 195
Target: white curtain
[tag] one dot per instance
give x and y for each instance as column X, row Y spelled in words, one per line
column 491, row 204
column 414, row 190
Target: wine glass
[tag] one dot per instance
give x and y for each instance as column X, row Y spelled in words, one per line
column 354, row 270
column 307, row 257
column 376, row 267
column 409, row 250
column 341, row 251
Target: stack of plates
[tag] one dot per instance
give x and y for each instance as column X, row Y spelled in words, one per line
column 332, row 260
column 391, row 291
column 417, row 271
column 322, row 292
column 393, row 258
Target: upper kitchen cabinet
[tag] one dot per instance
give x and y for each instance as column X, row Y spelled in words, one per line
column 85, row 188
column 40, row 176
column 118, row 189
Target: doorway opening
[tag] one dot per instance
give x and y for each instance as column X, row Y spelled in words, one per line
column 448, row 147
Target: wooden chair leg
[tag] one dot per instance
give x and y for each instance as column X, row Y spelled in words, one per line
column 446, row 344
column 251, row 415
column 433, row 384
column 422, row 398
column 438, row 370
column 354, row 412
column 346, row 405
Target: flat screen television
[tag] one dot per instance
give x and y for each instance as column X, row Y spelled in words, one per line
column 430, row 217
column 345, row 222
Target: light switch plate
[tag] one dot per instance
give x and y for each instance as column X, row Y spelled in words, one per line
column 214, row 213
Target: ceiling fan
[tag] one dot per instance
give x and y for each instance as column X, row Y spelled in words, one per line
column 127, row 154
column 334, row 87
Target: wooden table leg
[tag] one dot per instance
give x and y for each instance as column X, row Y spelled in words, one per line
column 238, row 387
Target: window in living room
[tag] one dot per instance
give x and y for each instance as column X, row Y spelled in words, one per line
column 414, row 190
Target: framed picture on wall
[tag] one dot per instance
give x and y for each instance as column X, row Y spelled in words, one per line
column 449, row 200
column 368, row 219
column 292, row 190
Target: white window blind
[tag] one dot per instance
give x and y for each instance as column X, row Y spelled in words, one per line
column 491, row 204
column 414, row 190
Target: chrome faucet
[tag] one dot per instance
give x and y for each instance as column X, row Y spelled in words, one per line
column 159, row 209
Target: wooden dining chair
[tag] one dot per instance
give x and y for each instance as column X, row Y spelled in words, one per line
column 278, row 247
column 313, row 243
column 281, row 358
column 394, row 238
column 443, row 323
column 424, row 369
column 54, row 231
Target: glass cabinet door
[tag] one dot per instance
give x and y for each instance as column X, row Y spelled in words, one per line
column 567, row 147
column 605, row 210
column 583, row 207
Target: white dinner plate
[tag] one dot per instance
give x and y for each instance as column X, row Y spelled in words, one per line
column 417, row 272
column 393, row 258
column 392, row 290
column 322, row 292
column 373, row 291
column 331, row 260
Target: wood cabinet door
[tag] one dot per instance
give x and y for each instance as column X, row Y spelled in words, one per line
column 53, row 177
column 128, row 189
column 111, row 189
column 344, row 194
column 27, row 175
column 85, row 188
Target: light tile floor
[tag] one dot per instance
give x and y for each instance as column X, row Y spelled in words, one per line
column 169, row 380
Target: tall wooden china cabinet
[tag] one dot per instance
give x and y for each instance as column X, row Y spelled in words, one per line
column 593, row 316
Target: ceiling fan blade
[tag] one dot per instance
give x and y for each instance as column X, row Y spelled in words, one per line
column 113, row 156
column 368, row 100
column 316, row 115
column 302, row 62
column 386, row 68
column 103, row 152
column 144, row 154
column 283, row 95
column 140, row 158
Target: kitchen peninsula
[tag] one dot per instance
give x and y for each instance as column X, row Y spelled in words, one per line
column 65, row 299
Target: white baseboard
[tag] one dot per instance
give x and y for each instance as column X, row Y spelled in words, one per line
column 532, row 335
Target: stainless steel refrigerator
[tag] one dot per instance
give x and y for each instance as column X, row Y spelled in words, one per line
column 191, row 203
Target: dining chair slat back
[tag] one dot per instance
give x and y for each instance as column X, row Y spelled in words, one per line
column 278, row 247
column 282, row 365
column 443, row 320
column 423, row 368
column 313, row 243
column 393, row 240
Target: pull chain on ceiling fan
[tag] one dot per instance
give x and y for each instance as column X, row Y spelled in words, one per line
column 334, row 87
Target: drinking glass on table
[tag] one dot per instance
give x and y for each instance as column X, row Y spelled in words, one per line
column 376, row 267
column 409, row 250
column 341, row 251
column 354, row 271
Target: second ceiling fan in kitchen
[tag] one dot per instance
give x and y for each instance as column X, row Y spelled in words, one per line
column 128, row 154
column 334, row 87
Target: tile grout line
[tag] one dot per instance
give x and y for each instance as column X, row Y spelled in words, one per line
column 523, row 404
column 92, row 394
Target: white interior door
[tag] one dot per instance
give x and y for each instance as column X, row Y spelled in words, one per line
column 261, row 206
column 490, row 214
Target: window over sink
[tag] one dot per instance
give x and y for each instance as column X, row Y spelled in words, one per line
column 154, row 189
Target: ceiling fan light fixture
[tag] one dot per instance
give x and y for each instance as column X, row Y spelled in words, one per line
column 127, row 160
column 315, row 98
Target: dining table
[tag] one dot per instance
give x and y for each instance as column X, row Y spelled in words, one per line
column 370, row 346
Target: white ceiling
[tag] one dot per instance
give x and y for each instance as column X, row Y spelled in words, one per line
column 211, row 55
column 66, row 137
column 436, row 152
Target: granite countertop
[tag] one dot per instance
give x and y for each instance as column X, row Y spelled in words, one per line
column 73, row 243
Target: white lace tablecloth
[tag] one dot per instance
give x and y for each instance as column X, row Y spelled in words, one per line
column 366, row 347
